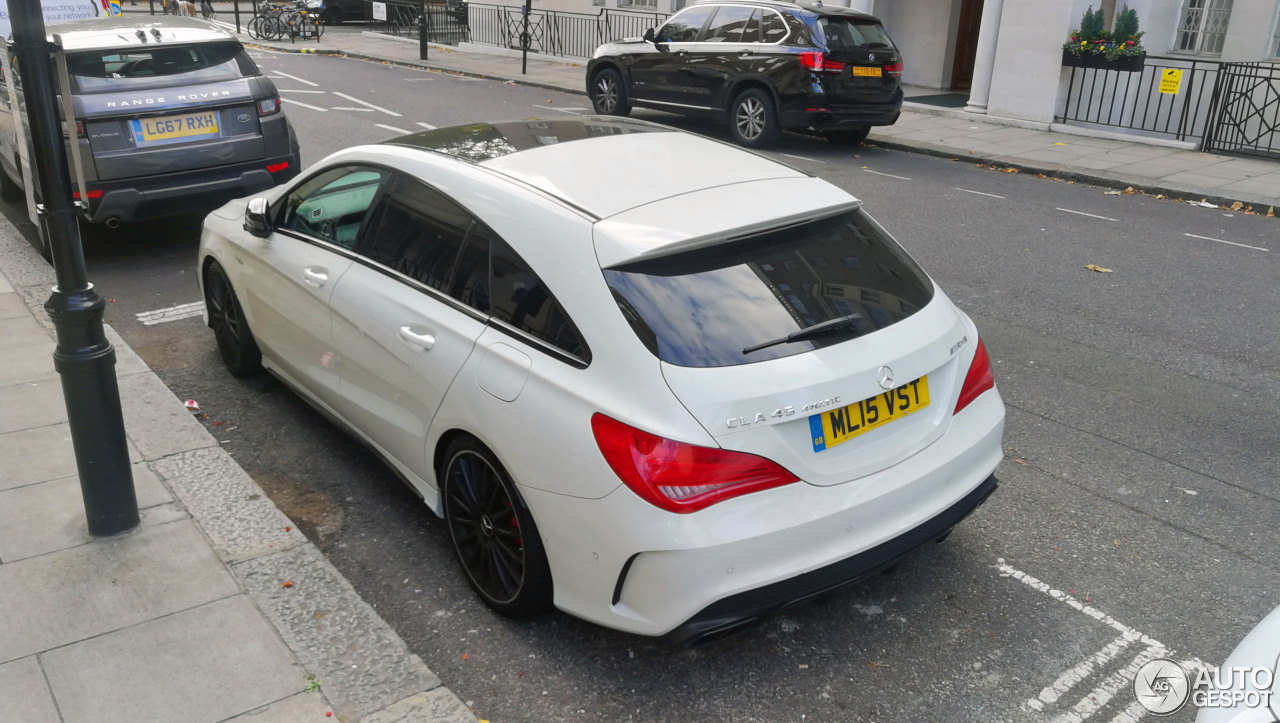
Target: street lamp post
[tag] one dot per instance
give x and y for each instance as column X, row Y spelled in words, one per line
column 84, row 357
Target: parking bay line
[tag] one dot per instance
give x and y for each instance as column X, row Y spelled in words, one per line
column 980, row 193
column 1231, row 243
column 392, row 128
column 304, row 105
column 428, row 126
column 570, row 111
column 890, row 175
column 299, row 90
column 294, row 77
column 172, row 313
column 1090, row 215
column 357, row 110
column 370, row 105
column 1099, row 697
column 802, row 158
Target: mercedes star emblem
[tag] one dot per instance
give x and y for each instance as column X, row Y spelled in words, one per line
column 884, row 378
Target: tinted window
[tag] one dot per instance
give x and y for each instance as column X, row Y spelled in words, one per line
column 470, row 283
column 519, row 298
column 775, row 28
column 752, row 32
column 417, row 231
column 850, row 33
column 159, row 66
column 684, row 27
column 729, row 24
column 704, row 307
column 333, row 205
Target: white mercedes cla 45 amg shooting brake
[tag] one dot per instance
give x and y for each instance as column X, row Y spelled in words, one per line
column 656, row 381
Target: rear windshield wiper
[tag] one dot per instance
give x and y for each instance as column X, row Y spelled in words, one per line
column 811, row 332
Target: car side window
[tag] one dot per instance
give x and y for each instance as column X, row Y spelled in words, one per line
column 417, row 231
column 751, row 33
column 729, row 24
column 774, row 27
column 519, row 298
column 685, row 26
column 332, row 206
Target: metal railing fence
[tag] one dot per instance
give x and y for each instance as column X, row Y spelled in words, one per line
column 1134, row 101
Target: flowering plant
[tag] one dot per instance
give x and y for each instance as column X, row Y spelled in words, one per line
column 1125, row 41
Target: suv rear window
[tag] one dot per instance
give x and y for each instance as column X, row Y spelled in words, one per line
column 159, row 67
column 703, row 308
column 850, row 33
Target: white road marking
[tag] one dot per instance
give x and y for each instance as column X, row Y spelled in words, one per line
column 294, row 77
column 370, row 105
column 299, row 90
column 417, row 80
column 392, row 128
column 357, row 110
column 1232, row 243
column 980, row 193
column 802, row 158
column 172, row 313
column 1090, row 215
column 428, row 126
column 570, row 111
column 890, row 175
column 304, row 105
column 1099, row 697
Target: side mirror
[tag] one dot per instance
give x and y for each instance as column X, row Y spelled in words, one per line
column 648, row 35
column 255, row 218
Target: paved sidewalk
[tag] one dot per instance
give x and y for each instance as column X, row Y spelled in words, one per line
column 1153, row 166
column 190, row 617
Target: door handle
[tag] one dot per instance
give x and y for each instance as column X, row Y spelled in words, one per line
column 421, row 342
column 315, row 277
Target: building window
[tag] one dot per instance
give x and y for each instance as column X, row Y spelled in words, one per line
column 1203, row 26
column 642, row 4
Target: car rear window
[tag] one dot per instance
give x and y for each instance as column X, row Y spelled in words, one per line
column 704, row 308
column 159, row 67
column 852, row 33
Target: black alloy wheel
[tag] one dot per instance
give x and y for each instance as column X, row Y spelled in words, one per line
column 236, row 344
column 493, row 534
column 753, row 121
column 608, row 95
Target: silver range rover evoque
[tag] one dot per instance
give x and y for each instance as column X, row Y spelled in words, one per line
column 171, row 115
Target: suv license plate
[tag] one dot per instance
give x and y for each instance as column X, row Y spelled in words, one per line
column 174, row 127
column 838, row 426
column 869, row 72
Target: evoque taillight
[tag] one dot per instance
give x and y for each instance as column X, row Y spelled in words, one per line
column 978, row 380
column 677, row 476
column 268, row 106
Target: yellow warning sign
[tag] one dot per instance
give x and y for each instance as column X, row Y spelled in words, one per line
column 1170, row 80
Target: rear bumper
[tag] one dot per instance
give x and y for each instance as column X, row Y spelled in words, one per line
column 740, row 611
column 837, row 117
column 148, row 198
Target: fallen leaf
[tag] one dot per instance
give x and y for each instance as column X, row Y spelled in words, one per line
column 1112, row 193
column 1130, row 191
column 466, row 656
column 287, row 583
column 1160, row 196
column 1019, row 461
column 1059, row 144
column 1099, row 269
column 1010, row 169
column 1116, row 543
column 1271, row 211
column 1237, row 206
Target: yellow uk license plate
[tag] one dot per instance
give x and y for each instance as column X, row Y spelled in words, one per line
column 869, row 72
column 167, row 128
column 838, row 426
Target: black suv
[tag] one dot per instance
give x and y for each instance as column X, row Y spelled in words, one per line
column 761, row 65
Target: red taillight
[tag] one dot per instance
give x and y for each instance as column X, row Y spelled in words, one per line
column 820, row 63
column 978, row 380
column 268, row 106
column 92, row 194
column 894, row 69
column 681, row 477
column 274, row 167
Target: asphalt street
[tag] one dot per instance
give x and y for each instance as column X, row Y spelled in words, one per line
column 1137, row 511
